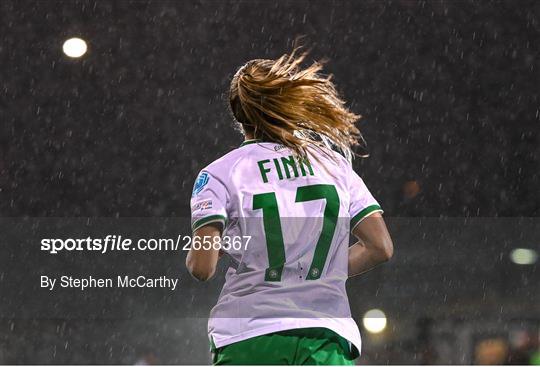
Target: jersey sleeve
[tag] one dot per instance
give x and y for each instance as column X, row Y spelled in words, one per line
column 362, row 203
column 208, row 201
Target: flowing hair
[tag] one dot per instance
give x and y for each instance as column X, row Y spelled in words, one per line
column 278, row 101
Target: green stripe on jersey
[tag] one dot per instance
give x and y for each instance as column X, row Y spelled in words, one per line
column 206, row 220
column 364, row 213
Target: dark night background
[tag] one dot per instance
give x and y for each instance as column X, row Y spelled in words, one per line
column 448, row 90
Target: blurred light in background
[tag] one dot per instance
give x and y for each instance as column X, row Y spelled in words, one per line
column 75, row 47
column 374, row 321
column 523, row 256
column 491, row 352
column 411, row 189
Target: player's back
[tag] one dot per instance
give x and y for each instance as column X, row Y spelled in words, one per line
column 286, row 230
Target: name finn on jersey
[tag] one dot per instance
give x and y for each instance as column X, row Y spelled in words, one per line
column 284, row 167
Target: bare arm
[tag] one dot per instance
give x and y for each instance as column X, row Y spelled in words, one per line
column 374, row 246
column 202, row 263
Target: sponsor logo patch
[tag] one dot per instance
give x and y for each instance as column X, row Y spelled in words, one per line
column 200, row 183
column 202, row 205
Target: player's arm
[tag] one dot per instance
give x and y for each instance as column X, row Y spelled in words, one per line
column 208, row 221
column 202, row 263
column 374, row 246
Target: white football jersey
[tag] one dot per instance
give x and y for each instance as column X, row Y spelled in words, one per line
column 287, row 224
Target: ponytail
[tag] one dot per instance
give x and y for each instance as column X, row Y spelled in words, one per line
column 276, row 100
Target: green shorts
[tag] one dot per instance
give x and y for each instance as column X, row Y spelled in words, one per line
column 309, row 346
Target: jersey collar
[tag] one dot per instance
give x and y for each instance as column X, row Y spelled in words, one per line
column 250, row 141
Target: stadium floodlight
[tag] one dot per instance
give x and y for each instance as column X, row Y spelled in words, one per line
column 75, row 47
column 523, row 256
column 374, row 321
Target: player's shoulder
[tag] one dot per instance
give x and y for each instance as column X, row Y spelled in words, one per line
column 223, row 165
column 215, row 171
column 332, row 157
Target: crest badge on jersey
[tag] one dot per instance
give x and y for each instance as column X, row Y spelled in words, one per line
column 200, row 183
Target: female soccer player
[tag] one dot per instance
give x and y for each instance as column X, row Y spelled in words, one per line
column 282, row 206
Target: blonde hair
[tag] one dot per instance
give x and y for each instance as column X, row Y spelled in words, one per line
column 278, row 101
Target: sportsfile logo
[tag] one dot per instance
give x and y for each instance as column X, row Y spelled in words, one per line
column 113, row 243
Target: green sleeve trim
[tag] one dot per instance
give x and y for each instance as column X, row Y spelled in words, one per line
column 206, row 220
column 364, row 213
